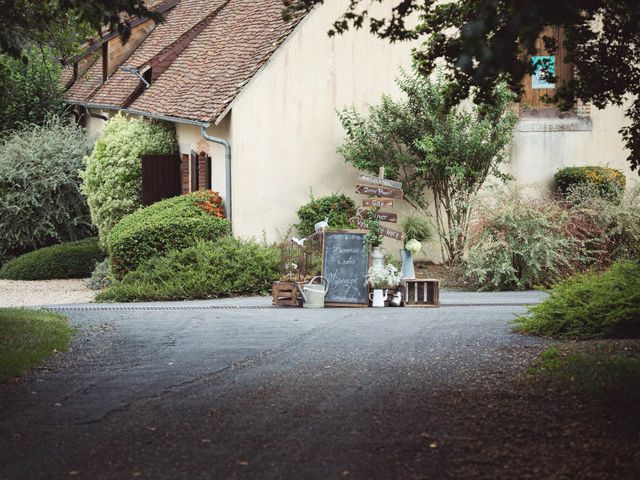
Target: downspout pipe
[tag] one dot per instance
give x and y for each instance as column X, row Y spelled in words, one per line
column 227, row 167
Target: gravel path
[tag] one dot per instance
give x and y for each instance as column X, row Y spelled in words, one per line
column 291, row 393
column 18, row 293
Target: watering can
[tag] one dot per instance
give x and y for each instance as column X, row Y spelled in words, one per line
column 313, row 294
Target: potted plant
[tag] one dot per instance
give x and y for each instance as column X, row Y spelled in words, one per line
column 416, row 230
column 380, row 280
column 373, row 238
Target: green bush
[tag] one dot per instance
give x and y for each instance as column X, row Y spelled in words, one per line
column 113, row 172
column 40, row 199
column 337, row 208
column 518, row 243
column 101, row 276
column 588, row 306
column 171, row 224
column 608, row 182
column 67, row 260
column 225, row 267
column 615, row 222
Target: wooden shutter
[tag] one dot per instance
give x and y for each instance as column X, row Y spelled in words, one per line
column 160, row 177
column 532, row 98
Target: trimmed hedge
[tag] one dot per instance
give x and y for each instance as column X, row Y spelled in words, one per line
column 171, row 224
column 225, row 267
column 66, row 260
column 338, row 208
column 595, row 305
column 610, row 183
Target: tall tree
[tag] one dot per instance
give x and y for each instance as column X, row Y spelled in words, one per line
column 482, row 41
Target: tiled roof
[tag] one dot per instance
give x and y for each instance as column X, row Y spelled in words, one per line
column 212, row 48
column 86, row 84
column 207, row 75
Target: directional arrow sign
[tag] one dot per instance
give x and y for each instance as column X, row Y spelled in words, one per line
column 387, row 232
column 377, row 202
column 379, row 191
column 363, row 177
column 382, row 216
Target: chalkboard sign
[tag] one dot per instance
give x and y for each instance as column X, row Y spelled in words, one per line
column 345, row 265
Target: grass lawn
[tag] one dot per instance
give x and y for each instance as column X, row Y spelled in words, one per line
column 27, row 337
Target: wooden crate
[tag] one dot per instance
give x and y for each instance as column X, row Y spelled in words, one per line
column 421, row 292
column 285, row 294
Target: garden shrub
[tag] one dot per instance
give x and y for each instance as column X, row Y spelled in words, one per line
column 337, row 207
column 101, row 276
column 113, row 172
column 173, row 223
column 608, row 182
column 66, row 260
column 518, row 242
column 212, row 269
column 588, row 306
column 40, row 199
column 616, row 222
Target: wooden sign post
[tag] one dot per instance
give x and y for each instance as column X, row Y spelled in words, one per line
column 381, row 194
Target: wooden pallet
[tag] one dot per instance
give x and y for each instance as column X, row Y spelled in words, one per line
column 285, row 294
column 421, row 292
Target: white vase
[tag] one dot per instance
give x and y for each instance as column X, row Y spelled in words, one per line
column 378, row 297
column 377, row 258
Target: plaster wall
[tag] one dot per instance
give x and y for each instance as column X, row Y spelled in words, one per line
column 189, row 138
column 542, row 146
column 285, row 128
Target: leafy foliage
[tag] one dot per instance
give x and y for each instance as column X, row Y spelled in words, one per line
column 338, row 208
column 612, row 223
column 372, row 224
column 64, row 24
column 101, row 276
column 518, row 243
column 66, row 260
column 113, row 172
column 28, row 338
column 40, row 199
column 608, row 182
column 171, row 224
column 416, row 227
column 481, row 41
column 427, row 145
column 225, row 267
column 29, row 90
column 594, row 305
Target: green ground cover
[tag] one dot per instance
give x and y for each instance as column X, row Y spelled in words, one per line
column 27, row 337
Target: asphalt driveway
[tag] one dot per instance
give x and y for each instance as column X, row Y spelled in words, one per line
column 194, row 392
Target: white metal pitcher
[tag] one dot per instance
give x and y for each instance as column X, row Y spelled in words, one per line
column 313, row 294
column 378, row 297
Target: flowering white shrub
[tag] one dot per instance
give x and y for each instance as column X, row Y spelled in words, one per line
column 386, row 277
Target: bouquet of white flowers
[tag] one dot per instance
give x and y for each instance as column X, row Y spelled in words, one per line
column 413, row 246
column 387, row 277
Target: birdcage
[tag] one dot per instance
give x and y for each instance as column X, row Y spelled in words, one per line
column 292, row 260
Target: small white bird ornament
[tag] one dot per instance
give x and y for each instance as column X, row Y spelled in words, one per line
column 320, row 226
column 299, row 241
